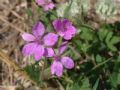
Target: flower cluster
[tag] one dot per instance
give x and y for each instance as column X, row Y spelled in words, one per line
column 39, row 44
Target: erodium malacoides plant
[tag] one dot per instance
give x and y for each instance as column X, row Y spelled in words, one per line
column 40, row 44
column 79, row 44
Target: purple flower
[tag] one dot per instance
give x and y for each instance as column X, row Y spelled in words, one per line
column 46, row 4
column 60, row 62
column 39, row 44
column 64, row 28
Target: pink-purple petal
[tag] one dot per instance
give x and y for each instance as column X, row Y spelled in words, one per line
column 67, row 62
column 49, row 52
column 50, row 39
column 40, row 2
column 57, row 68
column 28, row 49
column 67, row 36
column 38, row 29
column 66, row 22
column 63, row 47
column 48, row 6
column 71, row 31
column 28, row 37
column 38, row 53
column 58, row 26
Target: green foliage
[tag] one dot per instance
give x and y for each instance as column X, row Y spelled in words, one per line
column 85, row 85
column 87, row 34
column 34, row 72
column 109, row 38
column 95, row 47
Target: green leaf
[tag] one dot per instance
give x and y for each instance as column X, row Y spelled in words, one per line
column 111, row 40
column 75, row 86
column 118, row 79
column 96, row 84
column 85, row 84
column 98, row 58
column 85, row 47
column 113, row 80
column 115, row 40
column 86, row 34
column 112, row 47
column 102, row 34
column 34, row 72
column 109, row 36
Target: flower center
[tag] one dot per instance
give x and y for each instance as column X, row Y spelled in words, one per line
column 57, row 58
column 64, row 28
column 39, row 40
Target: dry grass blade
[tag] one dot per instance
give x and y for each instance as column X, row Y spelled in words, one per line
column 18, row 72
column 15, row 27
